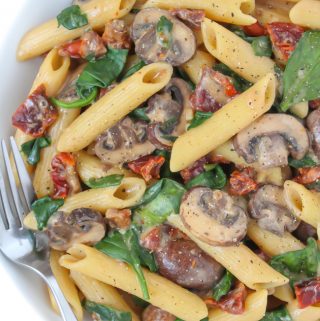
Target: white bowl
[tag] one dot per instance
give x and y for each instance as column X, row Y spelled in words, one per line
column 22, row 295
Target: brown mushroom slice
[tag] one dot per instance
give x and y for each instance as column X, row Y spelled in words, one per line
column 152, row 313
column 313, row 124
column 82, row 225
column 124, row 142
column 270, row 140
column 147, row 46
column 268, row 207
column 213, row 216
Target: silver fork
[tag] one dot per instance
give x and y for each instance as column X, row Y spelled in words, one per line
column 16, row 243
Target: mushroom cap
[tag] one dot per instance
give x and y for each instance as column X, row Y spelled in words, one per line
column 144, row 35
column 270, row 140
column 313, row 124
column 82, row 225
column 213, row 216
column 152, row 313
column 267, row 205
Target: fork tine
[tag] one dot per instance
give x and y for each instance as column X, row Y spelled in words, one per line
column 13, row 186
column 26, row 183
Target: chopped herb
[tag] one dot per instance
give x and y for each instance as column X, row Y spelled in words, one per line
column 223, row 286
column 281, row 314
column 164, row 29
column 199, row 118
column 134, row 68
column 72, row 18
column 140, row 114
column 170, row 138
column 306, row 161
column 168, row 126
column 107, row 181
column 32, row 149
column 262, row 46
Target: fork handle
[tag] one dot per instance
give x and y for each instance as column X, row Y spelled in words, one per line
column 64, row 307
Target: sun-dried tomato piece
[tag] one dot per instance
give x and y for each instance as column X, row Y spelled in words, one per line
column 191, row 17
column 120, row 219
column 314, row 104
column 284, row 37
column 90, row 44
column 308, row 292
column 242, row 182
column 116, row 35
column 36, row 114
column 255, row 30
column 151, row 238
column 194, row 170
column 233, row 302
column 64, row 175
column 307, row 175
column 213, row 91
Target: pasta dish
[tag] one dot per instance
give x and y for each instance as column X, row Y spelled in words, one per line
column 174, row 147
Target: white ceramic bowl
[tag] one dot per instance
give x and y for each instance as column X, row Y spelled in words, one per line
column 22, row 295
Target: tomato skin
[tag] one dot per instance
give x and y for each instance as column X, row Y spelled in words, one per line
column 71, row 49
column 308, row 175
column 191, row 17
column 255, row 30
column 195, row 169
column 242, row 182
column 36, row 114
column 308, row 292
column 147, row 166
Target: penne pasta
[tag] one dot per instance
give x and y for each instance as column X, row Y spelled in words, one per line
column 239, row 260
column 238, row 113
column 116, row 104
column 310, row 313
column 267, row 11
column 306, row 13
column 255, row 309
column 284, row 293
column 237, row 12
column 234, row 52
column 48, row 35
column 163, row 293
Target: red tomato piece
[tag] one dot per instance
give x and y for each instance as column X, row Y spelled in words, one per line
column 308, row 292
column 314, row 104
column 116, row 35
column 242, row 182
column 36, row 114
column 255, row 30
column 147, row 166
column 195, row 169
column 191, row 17
column 64, row 175
column 308, row 175
column 233, row 302
column 284, row 37
column 120, row 219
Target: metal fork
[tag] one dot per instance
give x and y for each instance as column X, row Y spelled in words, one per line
column 17, row 243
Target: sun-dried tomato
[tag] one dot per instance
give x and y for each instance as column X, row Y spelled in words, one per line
column 314, row 104
column 255, row 30
column 191, row 17
column 36, row 114
column 233, row 302
column 193, row 170
column 308, row 292
column 308, row 175
column 242, row 182
column 120, row 219
column 147, row 166
column 284, row 37
column 116, row 35
column 64, row 175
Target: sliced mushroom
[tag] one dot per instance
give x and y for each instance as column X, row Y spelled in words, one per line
column 213, row 216
column 268, row 207
column 271, row 138
column 152, row 313
column 82, row 225
column 181, row 47
column 304, row 231
column 168, row 113
column 313, row 124
column 124, row 142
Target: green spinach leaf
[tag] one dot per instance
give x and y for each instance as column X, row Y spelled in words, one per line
column 199, row 118
column 72, row 18
column 165, row 171
column 223, row 287
column 133, row 69
column 302, row 72
column 262, row 46
column 281, row 314
column 104, row 313
column 306, row 161
column 43, row 208
column 164, row 35
column 140, row 114
column 107, row 181
column 32, row 149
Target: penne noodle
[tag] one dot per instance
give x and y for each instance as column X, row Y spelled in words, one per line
column 284, row 293
column 231, row 11
column 235, row 52
column 163, row 293
column 112, row 107
column 306, row 13
column 310, row 313
column 48, row 35
column 245, row 265
column 238, row 113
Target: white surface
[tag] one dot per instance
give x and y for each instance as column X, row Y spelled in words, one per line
column 22, row 295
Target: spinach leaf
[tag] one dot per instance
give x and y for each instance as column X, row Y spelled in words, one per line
column 126, row 247
column 306, row 161
column 199, row 118
column 215, row 179
column 239, row 83
column 223, row 287
column 43, row 208
column 72, row 18
column 32, row 149
column 150, row 194
column 140, row 114
column 104, row 313
column 164, row 29
column 262, row 46
column 107, row 181
column 298, row 265
column 102, row 72
column 185, row 77
column 134, row 68
column 302, row 73
column 166, row 202
column 165, row 171
column 170, row 138
column 281, row 314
